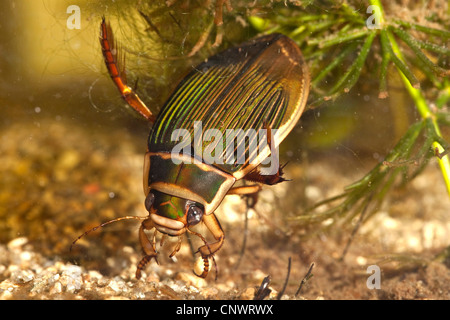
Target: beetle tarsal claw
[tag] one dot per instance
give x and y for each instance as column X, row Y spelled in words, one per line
column 177, row 247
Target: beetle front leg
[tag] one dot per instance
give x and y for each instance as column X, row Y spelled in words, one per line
column 214, row 227
column 147, row 246
column 209, row 249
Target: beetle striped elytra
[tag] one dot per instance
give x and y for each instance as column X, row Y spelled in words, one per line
column 260, row 85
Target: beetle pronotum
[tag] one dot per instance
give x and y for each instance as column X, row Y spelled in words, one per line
column 262, row 84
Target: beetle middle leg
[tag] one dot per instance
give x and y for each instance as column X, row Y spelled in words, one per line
column 148, row 246
column 248, row 191
column 251, row 193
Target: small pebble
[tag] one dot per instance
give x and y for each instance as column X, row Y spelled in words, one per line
column 22, row 276
column 191, row 279
column 17, row 243
column 248, row 294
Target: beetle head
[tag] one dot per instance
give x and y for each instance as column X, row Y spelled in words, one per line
column 171, row 214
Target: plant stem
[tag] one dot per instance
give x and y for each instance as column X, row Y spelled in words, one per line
column 418, row 98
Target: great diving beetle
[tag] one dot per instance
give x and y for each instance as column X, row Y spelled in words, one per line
column 262, row 84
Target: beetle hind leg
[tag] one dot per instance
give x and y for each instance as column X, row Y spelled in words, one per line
column 116, row 68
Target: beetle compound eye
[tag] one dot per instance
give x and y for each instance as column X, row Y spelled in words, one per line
column 149, row 201
column 194, row 215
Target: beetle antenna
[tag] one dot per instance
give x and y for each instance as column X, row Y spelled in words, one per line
column 104, row 224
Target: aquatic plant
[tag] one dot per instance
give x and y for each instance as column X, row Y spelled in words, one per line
column 415, row 42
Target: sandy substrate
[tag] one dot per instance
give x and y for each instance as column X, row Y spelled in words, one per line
column 49, row 198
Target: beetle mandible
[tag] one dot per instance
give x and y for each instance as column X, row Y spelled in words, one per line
column 262, row 84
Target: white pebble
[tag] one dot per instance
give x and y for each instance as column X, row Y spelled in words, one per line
column 17, row 243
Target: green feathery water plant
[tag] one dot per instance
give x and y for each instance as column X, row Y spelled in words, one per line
column 340, row 32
